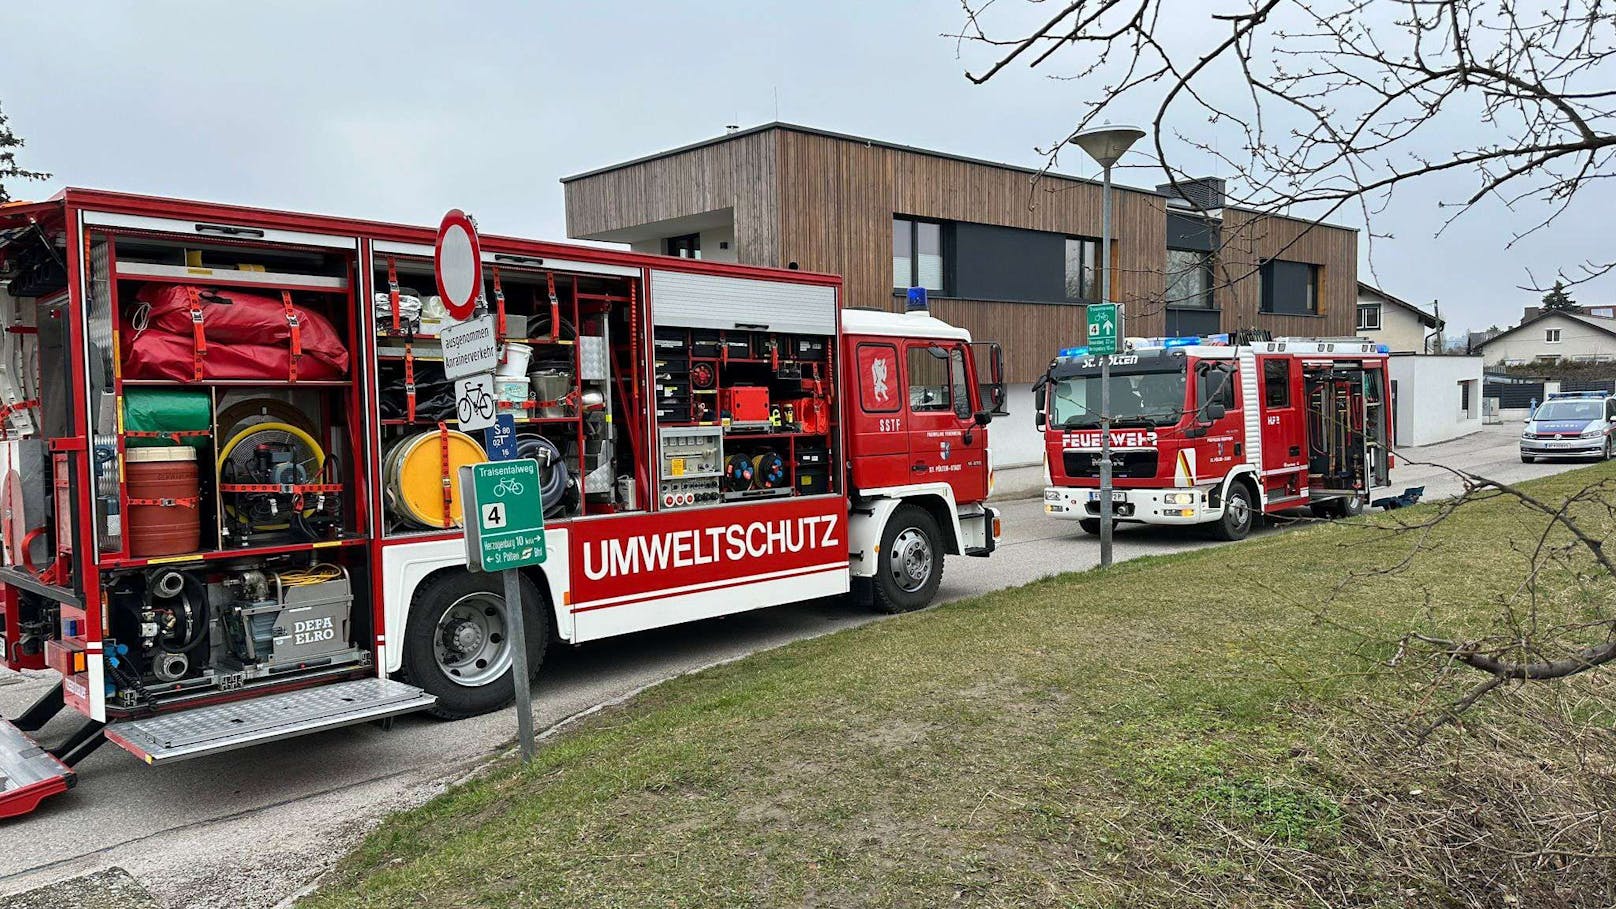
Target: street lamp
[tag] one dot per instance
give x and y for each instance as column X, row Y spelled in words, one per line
column 1106, row 145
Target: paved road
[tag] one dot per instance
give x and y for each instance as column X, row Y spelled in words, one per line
column 248, row 828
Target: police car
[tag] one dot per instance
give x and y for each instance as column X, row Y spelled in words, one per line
column 1572, row 424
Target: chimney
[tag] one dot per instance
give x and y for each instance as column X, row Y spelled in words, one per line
column 1201, row 193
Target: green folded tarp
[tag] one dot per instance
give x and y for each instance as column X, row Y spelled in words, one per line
column 164, row 410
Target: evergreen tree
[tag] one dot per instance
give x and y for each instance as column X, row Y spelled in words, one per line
column 1557, row 300
column 9, row 171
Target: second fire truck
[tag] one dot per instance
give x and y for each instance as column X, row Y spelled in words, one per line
column 1217, row 431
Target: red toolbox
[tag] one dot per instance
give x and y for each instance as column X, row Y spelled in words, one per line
column 747, row 403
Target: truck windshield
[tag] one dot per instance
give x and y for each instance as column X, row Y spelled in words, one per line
column 1155, row 398
column 1569, row 410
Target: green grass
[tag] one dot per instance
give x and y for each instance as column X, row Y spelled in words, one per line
column 1199, row 729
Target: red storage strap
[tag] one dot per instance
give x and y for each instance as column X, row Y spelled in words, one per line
column 392, row 290
column 443, row 465
column 555, row 308
column 199, row 337
column 499, row 307
column 182, row 502
column 295, row 326
column 409, row 381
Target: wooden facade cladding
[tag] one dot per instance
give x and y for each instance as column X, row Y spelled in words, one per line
column 826, row 202
column 739, row 174
column 838, row 199
column 1248, row 238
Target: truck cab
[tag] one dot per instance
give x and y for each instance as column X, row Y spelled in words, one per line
column 1204, row 431
column 920, row 469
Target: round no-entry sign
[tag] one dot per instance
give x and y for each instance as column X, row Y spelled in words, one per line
column 457, row 263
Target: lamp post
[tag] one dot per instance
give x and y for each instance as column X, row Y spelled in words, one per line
column 1106, row 145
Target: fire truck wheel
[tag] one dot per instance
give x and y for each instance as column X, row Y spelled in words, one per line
column 1237, row 514
column 912, row 561
column 455, row 644
column 1091, row 526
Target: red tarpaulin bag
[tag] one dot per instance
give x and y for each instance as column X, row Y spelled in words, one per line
column 231, row 316
column 160, row 355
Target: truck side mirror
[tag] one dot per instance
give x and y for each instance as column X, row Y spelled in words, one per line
column 1038, row 398
column 1215, row 411
column 982, row 418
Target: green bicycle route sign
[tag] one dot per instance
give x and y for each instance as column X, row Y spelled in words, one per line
column 504, row 514
column 1105, row 324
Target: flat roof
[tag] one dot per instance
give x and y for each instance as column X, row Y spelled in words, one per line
column 911, row 149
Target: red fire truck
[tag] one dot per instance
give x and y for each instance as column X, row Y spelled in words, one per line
column 230, row 505
column 1217, row 431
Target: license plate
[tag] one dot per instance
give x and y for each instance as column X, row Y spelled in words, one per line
column 1117, row 495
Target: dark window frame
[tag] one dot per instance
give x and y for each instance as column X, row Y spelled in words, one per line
column 1084, row 260
column 1206, row 267
column 682, row 244
column 913, row 225
column 1313, row 303
column 1379, row 316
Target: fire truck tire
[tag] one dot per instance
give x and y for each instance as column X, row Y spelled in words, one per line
column 453, row 637
column 1238, row 514
column 911, row 561
column 1091, row 526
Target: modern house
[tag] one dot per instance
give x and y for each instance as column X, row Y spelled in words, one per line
column 1008, row 252
column 1394, row 322
column 1552, row 336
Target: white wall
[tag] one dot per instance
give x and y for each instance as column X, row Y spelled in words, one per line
column 1014, row 441
column 712, row 240
column 1428, row 398
column 1577, row 339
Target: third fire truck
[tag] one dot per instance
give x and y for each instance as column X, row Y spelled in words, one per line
column 1217, row 431
column 231, row 456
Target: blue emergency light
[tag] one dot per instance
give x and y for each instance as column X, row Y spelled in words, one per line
column 1180, row 342
column 1074, row 352
column 916, row 301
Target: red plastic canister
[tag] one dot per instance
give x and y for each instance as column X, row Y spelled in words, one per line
column 164, row 490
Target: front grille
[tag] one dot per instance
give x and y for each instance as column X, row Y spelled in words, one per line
column 1140, row 465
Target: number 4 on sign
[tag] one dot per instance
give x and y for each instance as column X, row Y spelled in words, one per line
column 494, row 515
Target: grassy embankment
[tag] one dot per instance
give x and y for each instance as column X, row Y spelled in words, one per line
column 1185, row 730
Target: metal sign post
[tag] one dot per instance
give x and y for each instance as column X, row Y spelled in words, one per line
column 504, row 533
column 1105, row 326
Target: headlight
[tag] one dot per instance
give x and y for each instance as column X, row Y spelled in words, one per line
column 1528, row 434
column 1593, row 433
column 1179, row 498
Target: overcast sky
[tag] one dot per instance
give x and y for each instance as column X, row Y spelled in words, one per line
column 400, row 110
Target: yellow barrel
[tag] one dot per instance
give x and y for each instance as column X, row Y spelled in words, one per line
column 414, row 469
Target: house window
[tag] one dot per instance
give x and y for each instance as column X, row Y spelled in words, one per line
column 1277, row 383
column 1189, row 278
column 917, row 254
column 1551, row 335
column 1082, row 268
column 1289, row 288
column 1464, row 398
column 1368, row 316
column 687, row 246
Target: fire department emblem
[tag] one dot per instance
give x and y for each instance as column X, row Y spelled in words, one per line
column 878, row 380
column 946, row 448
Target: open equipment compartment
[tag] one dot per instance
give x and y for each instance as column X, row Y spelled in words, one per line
column 568, row 375
column 222, row 409
column 744, row 381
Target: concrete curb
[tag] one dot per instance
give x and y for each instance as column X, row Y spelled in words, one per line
column 113, row 888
